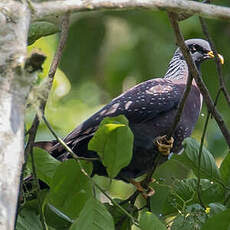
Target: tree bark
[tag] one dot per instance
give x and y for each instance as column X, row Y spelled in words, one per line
column 14, row 87
column 54, row 8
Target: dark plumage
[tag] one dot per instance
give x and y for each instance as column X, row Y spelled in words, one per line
column 150, row 108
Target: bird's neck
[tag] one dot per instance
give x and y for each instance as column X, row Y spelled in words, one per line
column 178, row 68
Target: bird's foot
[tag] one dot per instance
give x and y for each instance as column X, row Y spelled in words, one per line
column 164, row 145
column 145, row 192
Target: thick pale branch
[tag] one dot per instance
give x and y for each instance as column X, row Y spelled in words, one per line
column 14, row 86
column 42, row 10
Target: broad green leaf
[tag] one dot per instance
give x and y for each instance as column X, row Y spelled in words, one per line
column 219, row 221
column 70, row 188
column 45, row 165
column 208, row 167
column 40, row 29
column 159, row 201
column 94, row 216
column 56, row 218
column 225, row 169
column 216, row 208
column 113, row 142
column 149, row 221
column 27, row 220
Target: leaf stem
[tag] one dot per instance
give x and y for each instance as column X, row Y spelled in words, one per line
column 200, row 151
column 66, row 147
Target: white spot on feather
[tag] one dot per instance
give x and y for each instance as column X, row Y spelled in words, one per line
column 127, row 105
column 112, row 109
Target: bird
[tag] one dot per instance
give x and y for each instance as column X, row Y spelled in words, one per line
column 150, row 108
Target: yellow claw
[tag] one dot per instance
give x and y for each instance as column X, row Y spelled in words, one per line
column 145, row 192
column 164, row 145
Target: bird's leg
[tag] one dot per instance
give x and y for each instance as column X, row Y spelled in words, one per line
column 145, row 192
column 164, row 145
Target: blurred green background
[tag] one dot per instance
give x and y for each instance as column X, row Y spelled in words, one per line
column 108, row 52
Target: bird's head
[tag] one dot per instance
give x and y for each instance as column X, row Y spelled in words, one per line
column 200, row 50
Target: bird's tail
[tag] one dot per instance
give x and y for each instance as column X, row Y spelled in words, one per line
column 45, row 145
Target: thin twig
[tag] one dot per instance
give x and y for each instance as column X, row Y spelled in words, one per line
column 180, row 107
column 174, row 125
column 203, row 89
column 131, row 198
column 149, row 175
column 200, row 151
column 66, row 147
column 217, row 60
column 134, row 221
column 199, row 161
column 56, row 59
column 173, row 21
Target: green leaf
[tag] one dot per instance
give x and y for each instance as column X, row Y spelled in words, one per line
column 219, row 221
column 27, row 220
column 45, row 165
column 40, row 29
column 208, row 167
column 94, row 216
column 70, row 188
column 225, row 169
column 168, row 197
column 56, row 218
column 187, row 190
column 216, row 208
column 113, row 141
column 149, row 221
column 192, row 218
column 121, row 219
column 159, row 202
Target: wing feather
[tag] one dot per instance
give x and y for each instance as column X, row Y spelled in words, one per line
column 139, row 104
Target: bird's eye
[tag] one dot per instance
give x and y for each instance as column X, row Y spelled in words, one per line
column 193, row 49
column 199, row 49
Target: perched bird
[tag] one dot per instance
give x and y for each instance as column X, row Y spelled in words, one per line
column 150, row 108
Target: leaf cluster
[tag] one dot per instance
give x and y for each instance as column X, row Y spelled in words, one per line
column 70, row 199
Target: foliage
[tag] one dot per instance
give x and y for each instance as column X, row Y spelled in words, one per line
column 106, row 53
column 69, row 202
column 113, row 142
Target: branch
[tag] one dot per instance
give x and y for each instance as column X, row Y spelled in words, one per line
column 56, row 59
column 180, row 106
column 45, row 9
column 203, row 89
column 64, row 145
column 218, row 64
column 15, row 84
column 200, row 152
